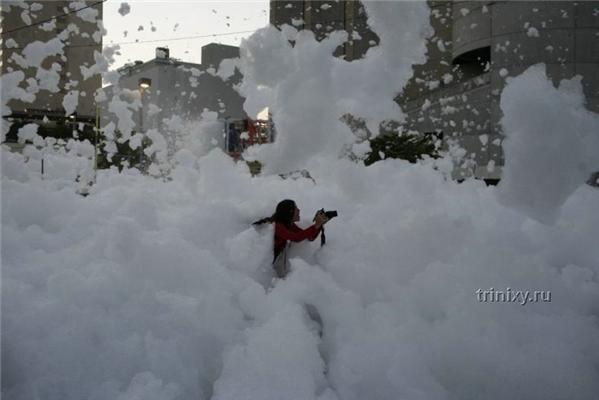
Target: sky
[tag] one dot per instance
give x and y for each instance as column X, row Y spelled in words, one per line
column 182, row 26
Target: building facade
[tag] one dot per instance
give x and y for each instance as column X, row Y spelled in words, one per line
column 174, row 94
column 76, row 29
column 214, row 53
column 476, row 45
column 178, row 88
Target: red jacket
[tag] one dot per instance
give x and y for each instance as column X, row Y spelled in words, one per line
column 295, row 234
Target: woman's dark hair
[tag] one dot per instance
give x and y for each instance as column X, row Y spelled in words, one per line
column 283, row 214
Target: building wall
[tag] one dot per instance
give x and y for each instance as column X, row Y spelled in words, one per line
column 213, row 54
column 563, row 35
column 361, row 38
column 476, row 46
column 178, row 89
column 324, row 17
column 79, row 50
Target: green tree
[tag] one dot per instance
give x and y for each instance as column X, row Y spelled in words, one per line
column 408, row 147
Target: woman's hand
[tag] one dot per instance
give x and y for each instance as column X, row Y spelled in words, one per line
column 320, row 219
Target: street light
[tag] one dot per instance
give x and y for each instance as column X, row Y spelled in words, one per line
column 226, row 135
column 143, row 83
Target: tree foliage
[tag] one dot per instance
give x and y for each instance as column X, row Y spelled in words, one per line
column 405, row 147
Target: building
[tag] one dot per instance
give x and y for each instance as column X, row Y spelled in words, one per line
column 78, row 27
column 214, row 53
column 323, row 17
column 174, row 94
column 476, row 46
column 175, row 87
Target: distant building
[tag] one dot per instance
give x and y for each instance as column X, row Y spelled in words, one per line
column 214, row 53
column 180, row 88
column 476, row 45
column 29, row 21
column 324, row 17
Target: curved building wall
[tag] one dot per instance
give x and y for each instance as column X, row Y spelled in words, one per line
column 471, row 28
column 511, row 36
column 562, row 34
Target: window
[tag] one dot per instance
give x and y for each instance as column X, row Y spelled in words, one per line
column 474, row 62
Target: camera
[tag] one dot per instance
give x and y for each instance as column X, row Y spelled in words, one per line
column 328, row 214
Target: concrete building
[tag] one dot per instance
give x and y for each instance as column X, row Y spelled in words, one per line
column 214, row 53
column 179, row 88
column 323, row 17
column 476, row 46
column 78, row 25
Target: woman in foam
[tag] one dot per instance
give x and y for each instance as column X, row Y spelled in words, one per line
column 284, row 218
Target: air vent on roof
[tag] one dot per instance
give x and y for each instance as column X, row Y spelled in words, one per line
column 162, row 52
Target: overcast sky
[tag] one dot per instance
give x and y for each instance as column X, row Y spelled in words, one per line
column 166, row 22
